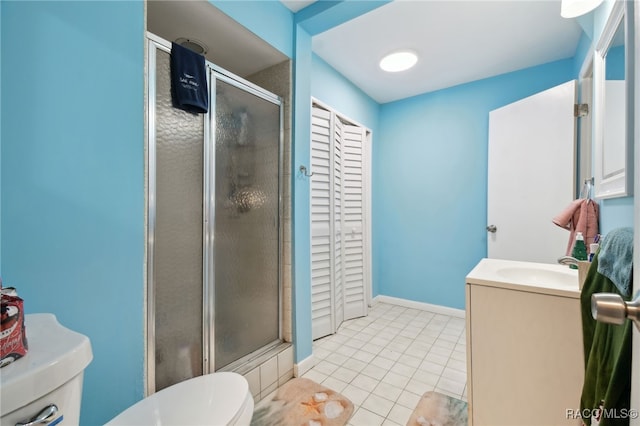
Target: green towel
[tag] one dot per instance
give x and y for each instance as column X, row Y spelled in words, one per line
column 607, row 357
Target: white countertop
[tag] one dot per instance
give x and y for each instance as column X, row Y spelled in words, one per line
column 543, row 278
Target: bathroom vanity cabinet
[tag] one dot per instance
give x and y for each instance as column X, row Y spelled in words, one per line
column 524, row 344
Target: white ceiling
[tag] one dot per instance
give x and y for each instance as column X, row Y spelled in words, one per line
column 457, row 42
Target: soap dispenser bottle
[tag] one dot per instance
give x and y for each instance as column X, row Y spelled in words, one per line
column 579, row 249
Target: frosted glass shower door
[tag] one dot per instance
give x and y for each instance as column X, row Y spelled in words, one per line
column 247, row 217
column 176, row 251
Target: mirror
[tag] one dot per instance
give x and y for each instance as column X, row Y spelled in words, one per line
column 584, row 146
column 612, row 161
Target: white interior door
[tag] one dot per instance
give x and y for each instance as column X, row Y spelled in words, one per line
column 531, row 175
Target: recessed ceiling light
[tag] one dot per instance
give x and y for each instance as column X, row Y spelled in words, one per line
column 399, row 61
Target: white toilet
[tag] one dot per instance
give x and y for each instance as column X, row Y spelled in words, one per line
column 46, row 383
column 214, row 399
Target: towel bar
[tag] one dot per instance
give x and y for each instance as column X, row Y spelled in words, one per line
column 587, row 188
column 612, row 309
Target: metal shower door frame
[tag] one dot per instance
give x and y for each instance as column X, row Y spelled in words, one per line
column 155, row 43
column 218, row 73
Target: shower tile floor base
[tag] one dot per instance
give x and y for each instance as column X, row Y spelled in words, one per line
column 386, row 361
column 269, row 371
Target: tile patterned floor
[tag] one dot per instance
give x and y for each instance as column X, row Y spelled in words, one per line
column 386, row 361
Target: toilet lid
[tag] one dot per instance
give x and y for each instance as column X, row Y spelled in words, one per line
column 214, row 399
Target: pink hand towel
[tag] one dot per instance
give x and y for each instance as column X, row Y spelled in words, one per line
column 579, row 216
column 563, row 219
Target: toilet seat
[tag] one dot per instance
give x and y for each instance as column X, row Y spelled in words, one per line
column 212, row 399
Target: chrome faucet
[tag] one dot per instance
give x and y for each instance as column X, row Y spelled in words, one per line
column 568, row 260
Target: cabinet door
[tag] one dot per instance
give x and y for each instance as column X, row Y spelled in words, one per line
column 526, row 361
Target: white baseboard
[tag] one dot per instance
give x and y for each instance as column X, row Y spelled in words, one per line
column 437, row 309
column 303, row 366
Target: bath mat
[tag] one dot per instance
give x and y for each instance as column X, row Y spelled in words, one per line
column 436, row 409
column 303, row 402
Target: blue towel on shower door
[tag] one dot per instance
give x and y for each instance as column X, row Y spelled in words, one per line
column 189, row 80
column 616, row 258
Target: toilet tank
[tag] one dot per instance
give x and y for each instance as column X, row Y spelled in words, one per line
column 47, row 381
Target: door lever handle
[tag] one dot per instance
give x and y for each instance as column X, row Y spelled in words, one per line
column 492, row 228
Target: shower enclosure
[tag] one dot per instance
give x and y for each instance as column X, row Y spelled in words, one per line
column 214, row 225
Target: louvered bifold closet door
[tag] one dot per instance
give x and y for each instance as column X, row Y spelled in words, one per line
column 337, row 223
column 353, row 221
column 321, row 225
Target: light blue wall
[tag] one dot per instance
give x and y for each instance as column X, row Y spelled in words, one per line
column 599, row 17
column 269, row 20
column 72, row 181
column 326, row 14
column 615, row 213
column 333, row 89
column 430, row 183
